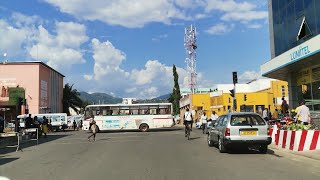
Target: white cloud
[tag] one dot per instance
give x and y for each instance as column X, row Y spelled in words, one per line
column 153, row 80
column 200, row 16
column 12, row 39
column 107, row 59
column 87, row 77
column 228, row 6
column 131, row 14
column 254, row 26
column 138, row 13
column 220, row 29
column 235, row 11
column 160, row 37
column 63, row 49
column 190, row 3
column 245, row 16
column 249, row 76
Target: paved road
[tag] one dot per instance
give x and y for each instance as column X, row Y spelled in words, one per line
column 159, row 155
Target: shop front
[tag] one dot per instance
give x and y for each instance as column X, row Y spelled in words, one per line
column 300, row 67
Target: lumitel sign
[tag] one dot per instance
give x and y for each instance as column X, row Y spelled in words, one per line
column 300, row 53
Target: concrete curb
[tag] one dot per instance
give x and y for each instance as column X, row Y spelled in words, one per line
column 314, row 155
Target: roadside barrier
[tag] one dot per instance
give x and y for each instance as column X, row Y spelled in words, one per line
column 302, row 140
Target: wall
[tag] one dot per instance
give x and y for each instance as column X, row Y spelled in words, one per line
column 26, row 76
column 200, row 103
column 45, row 89
column 52, row 94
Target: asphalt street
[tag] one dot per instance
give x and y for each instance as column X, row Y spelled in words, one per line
column 159, row 155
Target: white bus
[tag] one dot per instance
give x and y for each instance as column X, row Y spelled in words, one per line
column 58, row 120
column 129, row 116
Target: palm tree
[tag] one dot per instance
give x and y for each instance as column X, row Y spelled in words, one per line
column 71, row 99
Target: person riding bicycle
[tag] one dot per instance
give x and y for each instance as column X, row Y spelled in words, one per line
column 188, row 119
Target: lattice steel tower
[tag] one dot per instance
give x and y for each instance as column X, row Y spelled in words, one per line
column 191, row 46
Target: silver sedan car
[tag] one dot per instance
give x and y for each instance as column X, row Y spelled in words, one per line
column 240, row 130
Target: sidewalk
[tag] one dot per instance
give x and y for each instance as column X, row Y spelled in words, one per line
column 315, row 155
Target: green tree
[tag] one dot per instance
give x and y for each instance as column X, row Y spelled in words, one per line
column 71, row 99
column 175, row 96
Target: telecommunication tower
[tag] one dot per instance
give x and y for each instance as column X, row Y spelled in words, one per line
column 191, row 46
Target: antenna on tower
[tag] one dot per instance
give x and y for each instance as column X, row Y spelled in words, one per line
column 191, row 46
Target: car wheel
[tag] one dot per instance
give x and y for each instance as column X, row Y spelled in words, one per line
column 210, row 142
column 144, row 127
column 222, row 148
column 263, row 149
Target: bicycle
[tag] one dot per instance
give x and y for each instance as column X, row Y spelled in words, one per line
column 188, row 129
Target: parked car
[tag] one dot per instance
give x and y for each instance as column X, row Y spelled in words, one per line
column 240, row 130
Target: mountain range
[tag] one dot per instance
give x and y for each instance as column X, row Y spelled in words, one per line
column 103, row 98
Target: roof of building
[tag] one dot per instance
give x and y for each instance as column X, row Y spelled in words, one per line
column 33, row 62
column 252, row 86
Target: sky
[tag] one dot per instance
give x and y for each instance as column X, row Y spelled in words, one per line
column 127, row 48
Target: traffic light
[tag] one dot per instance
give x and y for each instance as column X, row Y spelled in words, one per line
column 232, row 93
column 234, row 77
column 245, row 97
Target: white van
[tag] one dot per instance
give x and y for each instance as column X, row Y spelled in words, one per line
column 58, row 120
column 77, row 118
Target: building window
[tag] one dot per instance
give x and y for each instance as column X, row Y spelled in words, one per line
column 304, row 30
column 283, row 91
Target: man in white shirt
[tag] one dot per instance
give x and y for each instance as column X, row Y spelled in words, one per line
column 214, row 117
column 187, row 119
column 265, row 114
column 303, row 113
column 204, row 122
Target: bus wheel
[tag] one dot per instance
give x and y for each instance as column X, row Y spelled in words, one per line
column 144, row 127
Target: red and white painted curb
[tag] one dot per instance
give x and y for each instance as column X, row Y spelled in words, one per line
column 303, row 140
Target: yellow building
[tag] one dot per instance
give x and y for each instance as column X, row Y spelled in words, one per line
column 251, row 97
column 197, row 103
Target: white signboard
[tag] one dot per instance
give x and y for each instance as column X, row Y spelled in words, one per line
column 10, row 82
column 298, row 53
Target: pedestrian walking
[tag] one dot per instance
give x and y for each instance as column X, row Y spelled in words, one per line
column 45, row 126
column 74, row 125
column 28, row 122
column 49, row 125
column 204, row 122
column 93, row 129
column 80, row 124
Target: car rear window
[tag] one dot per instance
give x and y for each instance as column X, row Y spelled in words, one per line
column 246, row 120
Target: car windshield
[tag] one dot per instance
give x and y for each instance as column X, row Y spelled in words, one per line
column 246, row 120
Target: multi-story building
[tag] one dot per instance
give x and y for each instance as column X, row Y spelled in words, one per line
column 295, row 49
column 39, row 85
column 251, row 97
